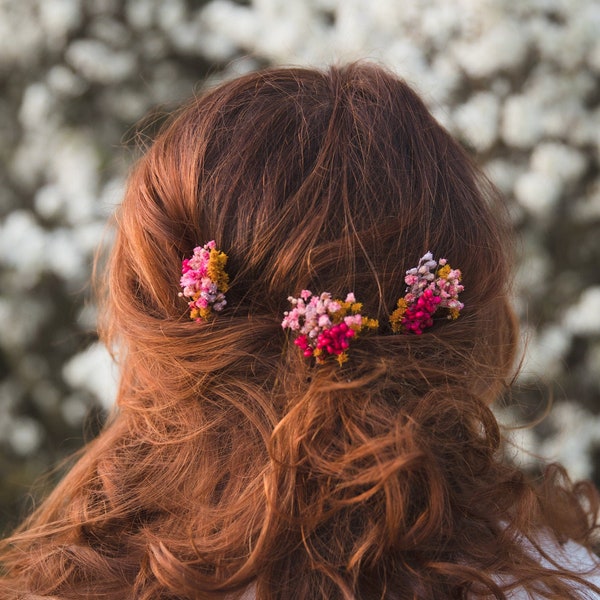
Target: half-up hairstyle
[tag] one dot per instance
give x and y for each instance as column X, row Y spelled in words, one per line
column 233, row 463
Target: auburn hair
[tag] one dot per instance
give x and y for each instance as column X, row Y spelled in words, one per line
column 232, row 463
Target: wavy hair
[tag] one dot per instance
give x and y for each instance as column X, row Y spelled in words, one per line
column 234, row 464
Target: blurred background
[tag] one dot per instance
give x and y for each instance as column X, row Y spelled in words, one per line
column 517, row 82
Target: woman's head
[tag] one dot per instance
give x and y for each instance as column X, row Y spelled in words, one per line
column 333, row 181
column 235, row 461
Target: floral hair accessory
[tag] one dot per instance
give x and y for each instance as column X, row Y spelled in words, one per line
column 431, row 286
column 325, row 326
column 204, row 281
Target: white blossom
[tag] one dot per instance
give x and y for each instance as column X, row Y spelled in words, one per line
column 552, row 159
column 140, row 14
column 24, row 435
column 97, row 62
column 36, row 106
column 20, row 323
column 64, row 258
column 502, row 47
column 171, row 14
column 22, row 246
column 583, row 317
column 58, row 18
column 94, row 371
column 477, row 120
column 545, row 351
column 63, row 82
column 110, row 32
column 573, row 451
column 74, row 409
column 521, row 125
column 73, row 168
column 538, row 193
column 21, row 37
column 503, row 174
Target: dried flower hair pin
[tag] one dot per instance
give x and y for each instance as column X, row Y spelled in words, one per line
column 325, row 326
column 431, row 285
column 204, row 281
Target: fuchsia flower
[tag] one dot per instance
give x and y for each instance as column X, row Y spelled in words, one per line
column 325, row 326
column 427, row 291
column 204, row 281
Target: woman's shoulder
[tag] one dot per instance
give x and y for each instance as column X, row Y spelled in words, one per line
column 569, row 555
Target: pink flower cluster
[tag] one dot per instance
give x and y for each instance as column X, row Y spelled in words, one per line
column 419, row 315
column 324, row 325
column 430, row 286
column 204, row 281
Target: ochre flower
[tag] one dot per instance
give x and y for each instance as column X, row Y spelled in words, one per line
column 204, row 281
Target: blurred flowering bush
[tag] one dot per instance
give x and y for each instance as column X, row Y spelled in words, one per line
column 517, row 82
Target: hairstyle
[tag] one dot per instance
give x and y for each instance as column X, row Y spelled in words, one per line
column 231, row 460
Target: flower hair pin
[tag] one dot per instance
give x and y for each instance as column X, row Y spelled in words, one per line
column 325, row 326
column 431, row 286
column 204, row 281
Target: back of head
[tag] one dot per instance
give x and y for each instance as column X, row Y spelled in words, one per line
column 233, row 459
column 338, row 182
column 331, row 181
